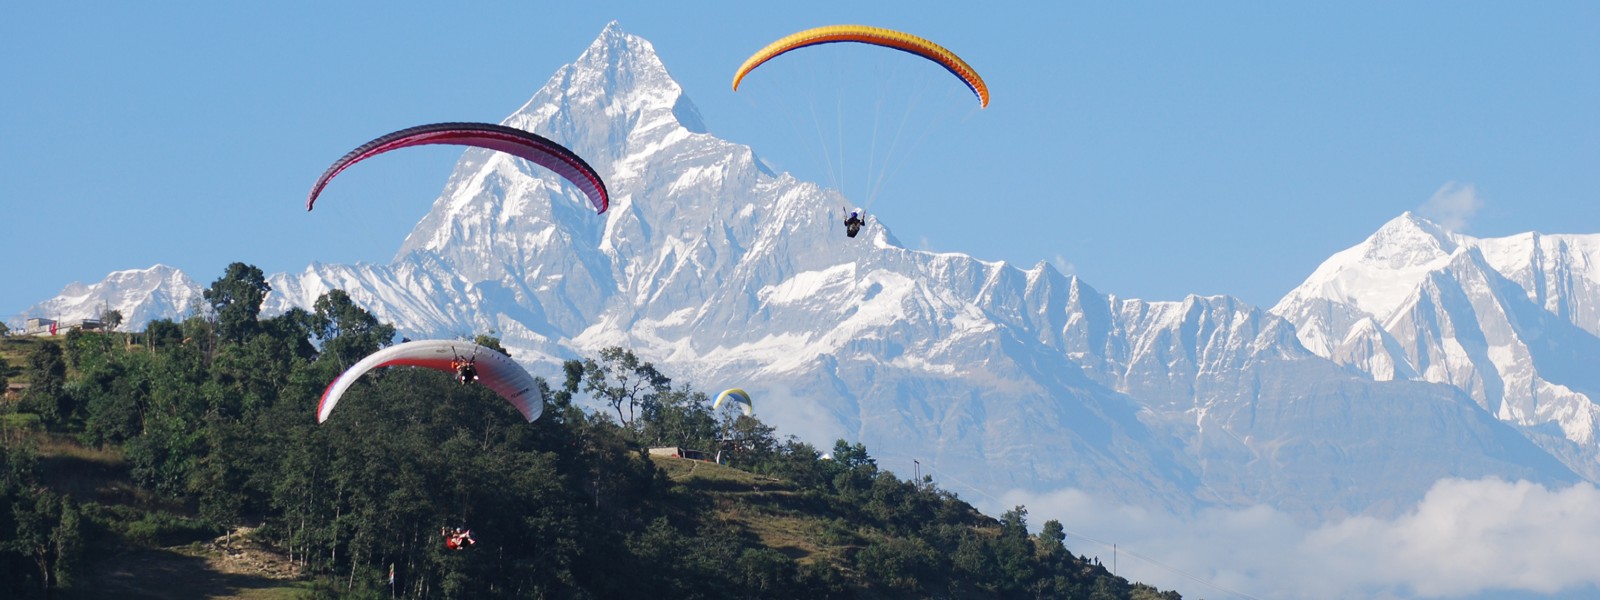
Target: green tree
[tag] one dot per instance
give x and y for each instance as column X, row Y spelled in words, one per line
column 236, row 298
column 19, row 576
column 38, row 516
column 621, row 379
column 67, row 539
column 347, row 331
column 180, row 392
column 84, row 349
column 1014, row 551
column 749, row 442
column 906, row 564
column 853, row 471
column 221, row 468
column 47, row 377
column 163, row 333
column 111, row 319
column 1052, row 539
column 115, row 395
column 975, row 560
column 853, row 457
column 766, row 572
column 491, row 342
column 679, row 417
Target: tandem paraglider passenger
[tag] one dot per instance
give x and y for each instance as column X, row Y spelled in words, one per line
column 458, row 539
column 852, row 225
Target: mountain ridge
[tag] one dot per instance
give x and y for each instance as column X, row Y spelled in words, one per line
column 727, row 274
column 1511, row 321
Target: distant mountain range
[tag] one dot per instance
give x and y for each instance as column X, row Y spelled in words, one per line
column 1416, row 355
column 1511, row 321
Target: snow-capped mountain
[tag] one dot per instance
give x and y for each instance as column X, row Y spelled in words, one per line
column 1512, row 321
column 994, row 377
column 141, row 295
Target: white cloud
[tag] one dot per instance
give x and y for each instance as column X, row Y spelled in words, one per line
column 1063, row 265
column 1452, row 206
column 1464, row 538
column 803, row 417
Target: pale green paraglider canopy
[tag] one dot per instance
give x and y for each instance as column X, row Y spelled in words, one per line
column 735, row 395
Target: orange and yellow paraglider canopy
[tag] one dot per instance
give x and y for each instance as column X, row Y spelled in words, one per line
column 877, row 36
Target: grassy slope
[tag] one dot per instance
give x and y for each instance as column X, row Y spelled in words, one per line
column 768, row 508
column 14, row 350
column 783, row 518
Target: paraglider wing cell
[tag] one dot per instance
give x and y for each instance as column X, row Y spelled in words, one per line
column 735, row 395
column 877, row 36
column 510, row 140
column 495, row 370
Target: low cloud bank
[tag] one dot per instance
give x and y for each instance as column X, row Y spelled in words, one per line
column 1464, row 538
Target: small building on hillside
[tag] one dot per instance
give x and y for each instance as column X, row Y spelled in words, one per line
column 677, row 452
column 39, row 326
column 42, row 326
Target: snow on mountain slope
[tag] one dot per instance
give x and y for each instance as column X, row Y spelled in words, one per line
column 1371, row 278
column 1511, row 321
column 1267, row 421
column 994, row 377
column 1560, row 273
column 141, row 295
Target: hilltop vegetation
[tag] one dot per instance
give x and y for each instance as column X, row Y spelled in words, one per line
column 191, row 429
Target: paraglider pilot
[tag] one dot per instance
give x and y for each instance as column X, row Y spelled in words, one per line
column 852, row 225
column 466, row 371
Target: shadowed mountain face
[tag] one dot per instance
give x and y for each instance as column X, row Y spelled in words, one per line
column 993, row 377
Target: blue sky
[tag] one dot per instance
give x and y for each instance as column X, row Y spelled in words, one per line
column 1156, row 149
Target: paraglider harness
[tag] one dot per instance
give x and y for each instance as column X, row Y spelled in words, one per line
column 458, row 539
column 852, row 225
column 466, row 369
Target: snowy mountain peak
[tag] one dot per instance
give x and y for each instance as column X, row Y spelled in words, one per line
column 615, row 105
column 1501, row 319
column 617, row 90
column 141, row 295
column 615, row 49
column 1372, row 278
column 1409, row 241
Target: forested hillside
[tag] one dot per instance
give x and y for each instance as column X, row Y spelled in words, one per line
column 196, row 428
